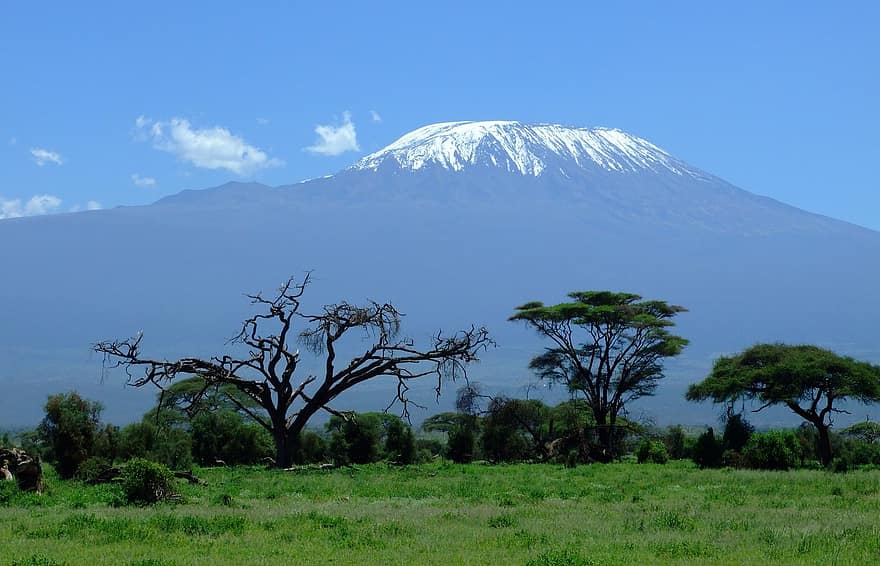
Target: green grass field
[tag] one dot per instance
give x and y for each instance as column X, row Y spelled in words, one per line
column 451, row 514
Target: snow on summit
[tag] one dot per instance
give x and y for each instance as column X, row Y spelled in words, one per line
column 529, row 149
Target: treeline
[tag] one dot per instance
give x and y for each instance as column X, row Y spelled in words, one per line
column 492, row 429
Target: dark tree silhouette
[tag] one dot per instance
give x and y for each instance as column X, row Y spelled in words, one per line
column 807, row 379
column 608, row 347
column 266, row 372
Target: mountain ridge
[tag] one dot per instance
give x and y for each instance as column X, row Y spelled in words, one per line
column 448, row 247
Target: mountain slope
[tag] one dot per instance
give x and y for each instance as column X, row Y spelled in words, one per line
column 455, row 224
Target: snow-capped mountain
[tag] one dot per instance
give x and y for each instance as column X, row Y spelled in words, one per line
column 528, row 149
column 455, row 224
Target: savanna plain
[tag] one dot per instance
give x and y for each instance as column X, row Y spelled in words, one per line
column 445, row 513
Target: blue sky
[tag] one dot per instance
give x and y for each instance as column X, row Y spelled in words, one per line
column 119, row 103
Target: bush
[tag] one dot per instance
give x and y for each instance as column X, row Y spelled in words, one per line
column 707, row 450
column 675, row 440
column 652, row 451
column 355, row 440
column 774, row 450
column 853, row 454
column 400, row 444
column 169, row 446
column 91, row 469
column 737, row 432
column 225, row 435
column 68, row 430
column 145, row 482
column 461, row 446
column 312, row 448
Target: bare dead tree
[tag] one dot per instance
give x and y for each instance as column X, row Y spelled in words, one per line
column 266, row 373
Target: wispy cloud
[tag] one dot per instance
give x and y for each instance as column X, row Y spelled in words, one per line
column 375, row 117
column 93, row 205
column 142, row 181
column 334, row 140
column 13, row 141
column 263, row 121
column 35, row 206
column 43, row 156
column 207, row 148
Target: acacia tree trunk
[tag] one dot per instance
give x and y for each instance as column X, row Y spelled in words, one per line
column 606, row 437
column 824, row 443
column 284, row 449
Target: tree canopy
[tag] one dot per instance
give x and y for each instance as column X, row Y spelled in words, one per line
column 809, row 380
column 607, row 347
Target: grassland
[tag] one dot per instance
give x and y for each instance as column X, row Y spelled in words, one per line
column 450, row 514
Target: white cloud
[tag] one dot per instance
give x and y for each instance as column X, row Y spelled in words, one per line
column 333, row 140
column 375, row 117
column 42, row 156
column 142, row 181
column 208, row 148
column 35, row 206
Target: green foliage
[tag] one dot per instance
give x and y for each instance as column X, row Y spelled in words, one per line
column 866, row 431
column 653, row 451
column 675, row 440
column 68, row 430
column 146, row 482
column 91, row 469
column 106, row 443
column 194, row 396
column 312, row 448
column 773, row 450
column 853, row 454
column 461, row 446
column 169, row 446
column 515, row 430
column 707, row 450
column 737, row 431
column 225, row 435
column 400, row 445
column 355, row 440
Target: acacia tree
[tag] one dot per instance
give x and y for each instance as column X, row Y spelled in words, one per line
column 608, row 347
column 266, row 371
column 807, row 379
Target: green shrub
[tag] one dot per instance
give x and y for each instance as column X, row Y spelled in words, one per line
column 675, row 440
column 652, row 451
column 91, row 469
column 226, row 436
column 852, row 454
column 737, row 431
column 68, row 430
column 400, row 444
column 355, row 440
column 170, row 446
column 733, row 459
column 312, row 448
column 774, row 450
column 462, row 444
column 145, row 482
column 706, row 452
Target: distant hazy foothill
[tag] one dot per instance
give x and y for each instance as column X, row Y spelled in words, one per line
column 455, row 223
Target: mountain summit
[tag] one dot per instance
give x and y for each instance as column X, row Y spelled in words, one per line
column 527, row 149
